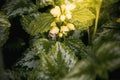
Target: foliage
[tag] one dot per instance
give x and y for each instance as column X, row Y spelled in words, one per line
column 19, row 7
column 4, row 27
column 37, row 24
column 53, row 52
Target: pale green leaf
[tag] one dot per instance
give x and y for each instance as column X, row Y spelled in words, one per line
column 40, row 24
column 82, row 18
column 26, row 20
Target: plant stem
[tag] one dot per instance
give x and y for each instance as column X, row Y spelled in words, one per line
column 98, row 6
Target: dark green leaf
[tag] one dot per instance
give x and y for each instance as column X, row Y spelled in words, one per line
column 18, row 7
column 43, row 3
column 56, row 63
column 77, row 46
column 109, row 55
column 84, row 70
column 30, row 60
column 42, row 46
column 4, row 27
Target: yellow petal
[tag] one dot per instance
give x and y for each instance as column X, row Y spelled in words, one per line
column 55, row 11
column 68, row 16
column 54, row 30
column 62, row 17
column 70, row 7
column 64, row 29
column 71, row 26
column 53, row 24
column 60, row 34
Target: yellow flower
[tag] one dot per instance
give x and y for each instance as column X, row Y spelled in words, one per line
column 53, row 24
column 54, row 30
column 64, row 29
column 60, row 34
column 63, row 7
column 62, row 17
column 56, row 11
column 70, row 7
column 71, row 26
column 68, row 16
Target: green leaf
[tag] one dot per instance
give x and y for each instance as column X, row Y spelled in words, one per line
column 110, row 33
column 43, row 3
column 57, row 63
column 29, row 61
column 38, row 25
column 97, row 63
column 59, row 2
column 30, row 58
column 77, row 46
column 43, row 46
column 4, row 27
column 84, row 70
column 82, row 18
column 109, row 55
column 18, row 7
column 27, row 19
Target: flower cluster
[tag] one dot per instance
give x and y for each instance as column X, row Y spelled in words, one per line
column 62, row 14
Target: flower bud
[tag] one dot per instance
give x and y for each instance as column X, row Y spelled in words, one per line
column 70, row 7
column 56, row 11
column 64, row 29
column 53, row 24
column 63, row 7
column 71, row 26
column 60, row 34
column 62, row 17
column 68, row 16
column 54, row 30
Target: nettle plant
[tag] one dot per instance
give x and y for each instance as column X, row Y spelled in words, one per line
column 64, row 43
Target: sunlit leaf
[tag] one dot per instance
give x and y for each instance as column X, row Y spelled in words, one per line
column 38, row 25
column 85, row 18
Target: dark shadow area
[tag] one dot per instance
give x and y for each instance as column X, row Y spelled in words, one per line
column 16, row 44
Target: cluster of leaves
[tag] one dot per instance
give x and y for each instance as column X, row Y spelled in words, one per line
column 66, row 58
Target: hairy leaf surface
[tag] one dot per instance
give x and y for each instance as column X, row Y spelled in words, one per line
column 40, row 24
column 85, row 18
column 56, row 63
